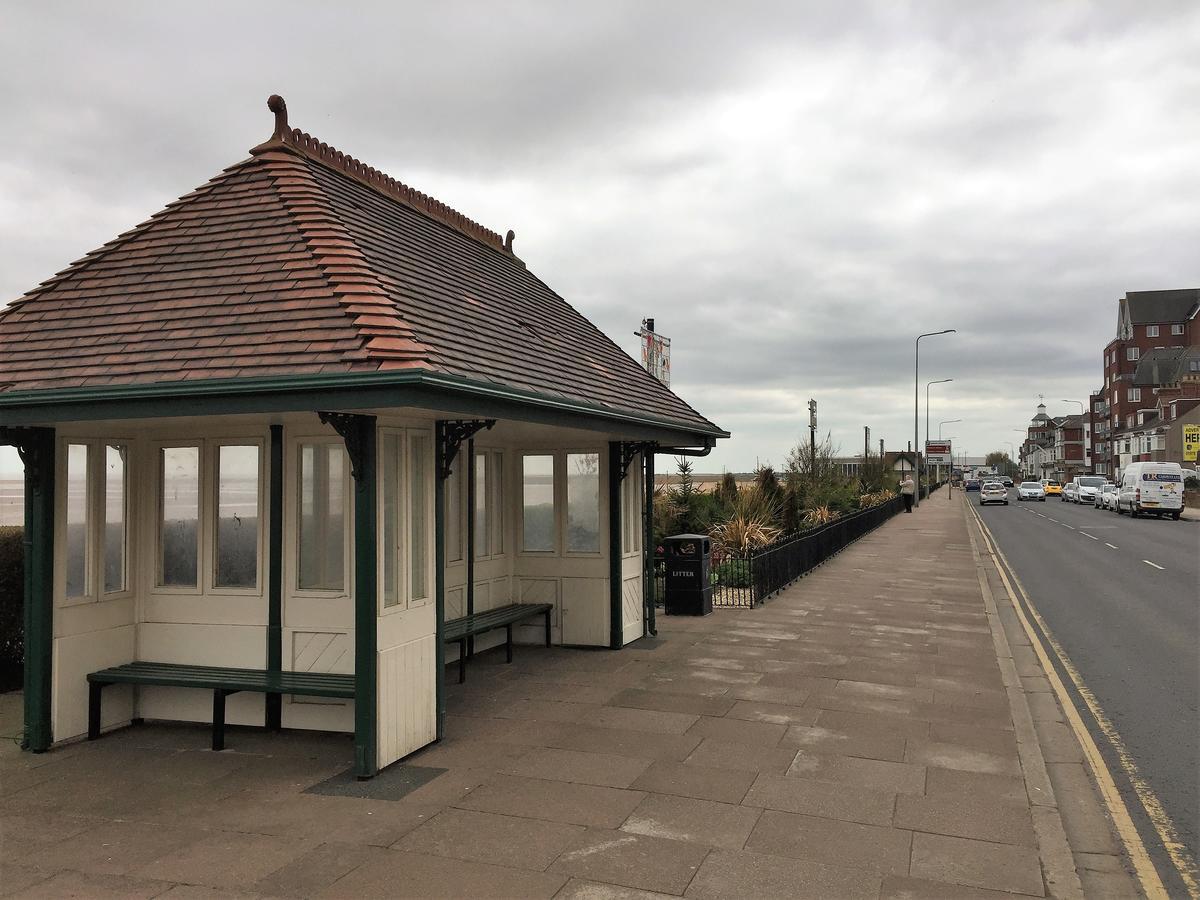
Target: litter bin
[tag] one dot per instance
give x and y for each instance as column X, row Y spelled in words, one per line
column 689, row 588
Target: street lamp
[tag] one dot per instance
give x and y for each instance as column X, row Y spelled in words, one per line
column 917, row 404
column 1013, row 448
column 928, row 385
column 1080, row 402
column 947, row 422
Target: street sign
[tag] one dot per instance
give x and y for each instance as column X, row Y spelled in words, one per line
column 1191, row 442
column 937, row 453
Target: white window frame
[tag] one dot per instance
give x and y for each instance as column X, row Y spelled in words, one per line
column 631, row 509
column 95, row 515
column 557, row 503
column 1134, row 395
column 493, row 504
column 459, row 515
column 201, row 529
column 1132, row 354
column 404, row 550
column 296, row 445
column 601, row 493
column 213, row 452
column 1151, row 331
column 1177, row 328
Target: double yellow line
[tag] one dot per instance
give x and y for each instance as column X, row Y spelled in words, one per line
column 1147, row 874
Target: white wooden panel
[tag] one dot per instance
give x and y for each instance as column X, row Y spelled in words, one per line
column 483, row 597
column 632, row 609
column 407, row 717
column 539, row 590
column 74, row 658
column 193, row 705
column 82, row 618
column 203, row 645
column 322, row 651
column 585, row 612
column 456, row 604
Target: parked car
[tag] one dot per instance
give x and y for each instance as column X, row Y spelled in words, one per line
column 1053, row 488
column 1108, row 496
column 1031, row 490
column 1151, row 487
column 972, row 484
column 1069, row 492
column 993, row 492
column 1087, row 488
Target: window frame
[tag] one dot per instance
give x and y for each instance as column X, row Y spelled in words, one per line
column 159, row 497
column 1133, row 354
column 556, row 504
column 95, row 537
column 404, row 552
column 1177, row 329
column 347, row 590
column 212, row 464
column 493, row 504
column 1151, row 331
column 565, row 518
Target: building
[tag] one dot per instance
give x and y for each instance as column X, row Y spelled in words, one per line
column 1171, row 378
column 1151, row 326
column 1055, row 447
column 298, row 420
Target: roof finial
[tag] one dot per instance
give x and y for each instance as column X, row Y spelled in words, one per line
column 276, row 104
column 508, row 240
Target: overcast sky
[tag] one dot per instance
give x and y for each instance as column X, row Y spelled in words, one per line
column 793, row 191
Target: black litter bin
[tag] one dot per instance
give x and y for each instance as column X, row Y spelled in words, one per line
column 689, row 588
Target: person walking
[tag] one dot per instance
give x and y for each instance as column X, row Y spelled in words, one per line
column 907, row 488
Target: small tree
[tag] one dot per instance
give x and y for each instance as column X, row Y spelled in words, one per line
column 727, row 491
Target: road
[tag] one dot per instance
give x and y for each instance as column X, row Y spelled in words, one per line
column 1122, row 596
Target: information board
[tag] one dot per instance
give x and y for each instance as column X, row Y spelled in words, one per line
column 937, row 453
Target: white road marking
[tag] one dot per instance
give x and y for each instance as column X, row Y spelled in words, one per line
column 1156, row 565
column 1092, row 536
column 1065, row 525
column 1055, row 521
column 1114, row 546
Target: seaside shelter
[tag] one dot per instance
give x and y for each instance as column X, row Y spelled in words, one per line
column 294, row 430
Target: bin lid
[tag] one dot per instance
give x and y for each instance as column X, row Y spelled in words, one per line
column 687, row 537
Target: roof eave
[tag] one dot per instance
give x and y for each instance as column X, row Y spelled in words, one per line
column 360, row 390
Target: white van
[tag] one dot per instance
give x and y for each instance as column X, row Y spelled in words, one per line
column 1151, row 487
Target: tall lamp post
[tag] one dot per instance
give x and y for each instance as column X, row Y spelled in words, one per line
column 946, row 422
column 928, row 385
column 1013, row 448
column 1025, row 432
column 917, row 405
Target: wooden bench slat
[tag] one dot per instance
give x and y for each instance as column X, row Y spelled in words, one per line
column 318, row 684
column 490, row 619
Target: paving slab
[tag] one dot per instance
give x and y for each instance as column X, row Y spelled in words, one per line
column 226, row 860
column 580, row 889
column 873, row 774
column 852, row 844
column 695, row 821
column 999, row 867
column 821, row 798
column 554, row 801
column 398, row 874
column 92, row 886
column 522, row 843
column 696, row 781
column 740, row 873
column 316, row 870
column 579, row 766
column 632, row 860
column 741, row 757
column 967, row 816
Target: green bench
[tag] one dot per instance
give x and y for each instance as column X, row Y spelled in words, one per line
column 459, row 631
column 220, row 680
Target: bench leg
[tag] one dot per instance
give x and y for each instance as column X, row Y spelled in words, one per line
column 94, row 696
column 462, row 660
column 509, row 645
column 274, row 710
column 547, row 628
column 218, row 732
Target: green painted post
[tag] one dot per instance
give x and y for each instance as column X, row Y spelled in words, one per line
column 36, row 446
column 615, row 631
column 366, row 611
column 274, row 711
column 650, row 627
column 439, row 575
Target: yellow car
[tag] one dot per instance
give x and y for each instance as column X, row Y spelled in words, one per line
column 1053, row 488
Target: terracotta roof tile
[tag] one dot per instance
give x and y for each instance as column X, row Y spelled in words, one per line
column 301, row 260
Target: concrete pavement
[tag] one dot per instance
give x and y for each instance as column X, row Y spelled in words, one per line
column 866, row 734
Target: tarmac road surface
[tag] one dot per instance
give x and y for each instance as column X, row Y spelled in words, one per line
column 1122, row 596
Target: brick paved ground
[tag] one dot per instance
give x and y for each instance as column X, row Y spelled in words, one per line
column 853, row 738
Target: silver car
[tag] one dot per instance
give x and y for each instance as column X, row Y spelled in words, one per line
column 993, row 492
column 1031, row 490
column 1088, row 488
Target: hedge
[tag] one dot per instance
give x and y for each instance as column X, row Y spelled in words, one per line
column 12, row 625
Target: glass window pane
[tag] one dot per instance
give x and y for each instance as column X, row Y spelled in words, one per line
column 180, row 491
column 77, row 520
column 12, row 487
column 237, row 516
column 583, row 502
column 114, row 518
column 419, row 481
column 454, row 517
column 496, row 513
column 322, row 517
column 479, row 514
column 392, row 510
column 537, row 495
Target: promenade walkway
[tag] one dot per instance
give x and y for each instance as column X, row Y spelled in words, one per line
column 852, row 738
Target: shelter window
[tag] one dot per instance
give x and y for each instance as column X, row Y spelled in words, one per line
column 454, row 515
column 487, row 519
column 420, row 481
column 96, row 520
column 179, row 516
column 537, row 497
column 323, row 509
column 631, row 508
column 77, row 519
column 583, row 502
column 238, row 516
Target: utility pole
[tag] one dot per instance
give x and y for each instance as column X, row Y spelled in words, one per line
column 812, row 439
column 866, row 443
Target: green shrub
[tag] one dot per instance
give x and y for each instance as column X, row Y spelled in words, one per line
column 12, row 623
column 733, row 572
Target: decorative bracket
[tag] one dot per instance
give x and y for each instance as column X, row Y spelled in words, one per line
column 349, row 426
column 452, row 434
column 630, row 449
column 35, row 447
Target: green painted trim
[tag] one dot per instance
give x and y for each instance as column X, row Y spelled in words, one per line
column 472, row 490
column 615, row 616
column 366, row 609
column 37, row 447
column 649, row 626
column 274, row 714
column 439, row 578
column 358, row 390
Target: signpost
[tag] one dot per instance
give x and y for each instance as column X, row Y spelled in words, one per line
column 938, row 453
column 1191, row 442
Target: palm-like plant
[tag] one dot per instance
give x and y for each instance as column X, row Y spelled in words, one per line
column 751, row 526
